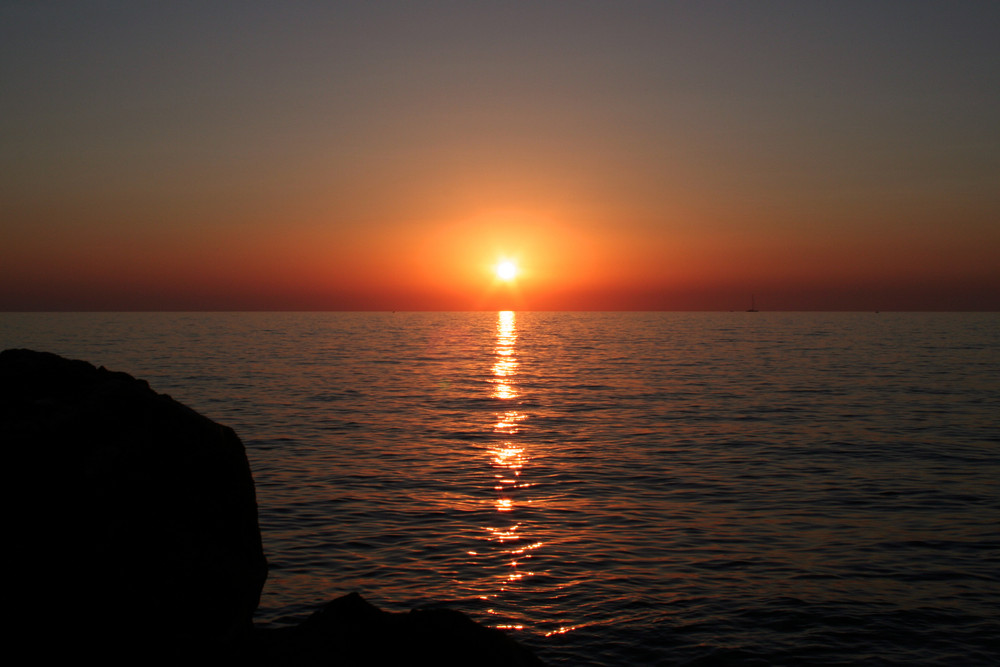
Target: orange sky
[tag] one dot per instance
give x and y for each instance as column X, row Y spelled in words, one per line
column 627, row 155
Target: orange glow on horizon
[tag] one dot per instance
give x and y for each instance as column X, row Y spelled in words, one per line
column 564, row 259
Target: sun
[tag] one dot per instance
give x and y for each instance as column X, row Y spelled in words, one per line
column 506, row 270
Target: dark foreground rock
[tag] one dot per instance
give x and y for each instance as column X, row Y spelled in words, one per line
column 133, row 539
column 136, row 517
column 350, row 632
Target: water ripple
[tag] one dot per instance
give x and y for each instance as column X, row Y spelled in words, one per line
column 613, row 488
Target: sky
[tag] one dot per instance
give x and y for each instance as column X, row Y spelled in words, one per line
column 389, row 155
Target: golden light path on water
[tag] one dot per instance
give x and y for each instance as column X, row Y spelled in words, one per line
column 509, row 456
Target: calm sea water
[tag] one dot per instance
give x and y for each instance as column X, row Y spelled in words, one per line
column 614, row 488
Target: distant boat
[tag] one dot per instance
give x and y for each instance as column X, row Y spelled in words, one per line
column 753, row 307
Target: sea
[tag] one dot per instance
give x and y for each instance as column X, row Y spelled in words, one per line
column 619, row 488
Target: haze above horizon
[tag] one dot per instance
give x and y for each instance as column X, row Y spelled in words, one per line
column 391, row 156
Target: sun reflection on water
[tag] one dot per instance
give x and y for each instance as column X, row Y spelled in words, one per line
column 505, row 359
column 508, row 458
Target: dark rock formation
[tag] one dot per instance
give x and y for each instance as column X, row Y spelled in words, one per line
column 133, row 539
column 136, row 517
column 350, row 632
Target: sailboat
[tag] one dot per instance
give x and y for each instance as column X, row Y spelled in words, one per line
column 753, row 307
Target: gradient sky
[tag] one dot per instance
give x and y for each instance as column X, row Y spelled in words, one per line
column 386, row 155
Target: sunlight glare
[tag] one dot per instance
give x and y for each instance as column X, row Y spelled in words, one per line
column 506, row 270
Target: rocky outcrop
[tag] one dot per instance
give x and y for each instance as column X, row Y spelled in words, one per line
column 133, row 512
column 350, row 632
column 133, row 539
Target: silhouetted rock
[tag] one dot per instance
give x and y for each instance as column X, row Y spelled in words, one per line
column 350, row 632
column 136, row 518
column 133, row 539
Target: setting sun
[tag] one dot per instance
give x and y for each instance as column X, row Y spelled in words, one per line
column 506, row 270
